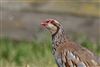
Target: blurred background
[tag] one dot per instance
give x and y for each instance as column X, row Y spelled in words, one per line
column 23, row 42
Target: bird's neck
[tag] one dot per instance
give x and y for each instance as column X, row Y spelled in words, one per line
column 59, row 38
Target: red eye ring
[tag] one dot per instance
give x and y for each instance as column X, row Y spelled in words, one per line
column 52, row 21
column 47, row 21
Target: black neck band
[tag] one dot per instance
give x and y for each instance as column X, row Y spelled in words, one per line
column 55, row 32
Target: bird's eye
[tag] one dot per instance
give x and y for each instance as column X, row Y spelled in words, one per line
column 52, row 21
column 47, row 21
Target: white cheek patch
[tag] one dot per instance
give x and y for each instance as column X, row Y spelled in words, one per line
column 50, row 26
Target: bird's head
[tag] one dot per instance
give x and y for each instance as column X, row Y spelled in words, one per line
column 52, row 25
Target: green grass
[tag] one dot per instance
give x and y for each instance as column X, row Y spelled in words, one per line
column 20, row 53
column 35, row 54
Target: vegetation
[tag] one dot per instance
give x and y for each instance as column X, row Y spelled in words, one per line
column 75, row 7
column 35, row 54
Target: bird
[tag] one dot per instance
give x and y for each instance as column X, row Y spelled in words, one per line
column 66, row 52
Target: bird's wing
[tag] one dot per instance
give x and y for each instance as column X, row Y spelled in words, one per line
column 76, row 55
